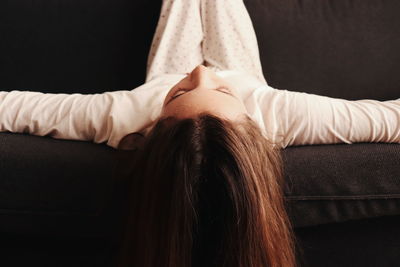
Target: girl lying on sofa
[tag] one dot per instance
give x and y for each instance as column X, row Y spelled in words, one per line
column 206, row 165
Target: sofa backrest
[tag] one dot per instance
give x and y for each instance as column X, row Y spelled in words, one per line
column 340, row 48
column 68, row 46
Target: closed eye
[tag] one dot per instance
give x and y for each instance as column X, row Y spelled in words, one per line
column 221, row 89
column 177, row 93
column 224, row 90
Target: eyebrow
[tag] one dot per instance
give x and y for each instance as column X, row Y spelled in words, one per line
column 217, row 89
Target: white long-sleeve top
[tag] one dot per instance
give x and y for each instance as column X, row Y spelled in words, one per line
column 286, row 118
column 220, row 35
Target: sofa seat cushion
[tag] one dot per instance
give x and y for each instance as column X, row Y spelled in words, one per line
column 61, row 187
column 367, row 243
column 335, row 183
column 50, row 186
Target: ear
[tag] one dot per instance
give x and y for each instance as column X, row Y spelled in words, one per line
column 131, row 141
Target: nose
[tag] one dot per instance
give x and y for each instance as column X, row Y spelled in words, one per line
column 200, row 75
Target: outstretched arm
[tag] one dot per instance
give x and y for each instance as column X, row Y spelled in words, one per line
column 105, row 117
column 293, row 118
column 62, row 116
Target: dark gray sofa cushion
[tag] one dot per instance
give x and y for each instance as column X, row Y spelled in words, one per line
column 78, row 188
column 362, row 243
column 52, row 186
column 336, row 183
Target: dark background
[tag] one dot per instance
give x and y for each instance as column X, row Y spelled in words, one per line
column 75, row 46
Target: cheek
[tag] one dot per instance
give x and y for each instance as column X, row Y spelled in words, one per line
column 169, row 94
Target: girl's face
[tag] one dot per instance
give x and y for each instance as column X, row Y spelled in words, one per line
column 203, row 91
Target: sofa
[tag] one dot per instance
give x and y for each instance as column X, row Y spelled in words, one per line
column 62, row 201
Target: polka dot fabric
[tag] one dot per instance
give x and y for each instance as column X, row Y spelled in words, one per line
column 216, row 33
column 177, row 42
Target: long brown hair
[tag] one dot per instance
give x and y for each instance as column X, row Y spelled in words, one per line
column 207, row 192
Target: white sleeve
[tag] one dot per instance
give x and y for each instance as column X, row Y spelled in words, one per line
column 105, row 117
column 293, row 118
column 62, row 116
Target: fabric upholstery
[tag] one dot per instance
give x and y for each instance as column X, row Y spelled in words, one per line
column 58, row 186
column 75, row 46
column 335, row 183
column 342, row 48
column 362, row 243
column 73, row 186
column 60, row 203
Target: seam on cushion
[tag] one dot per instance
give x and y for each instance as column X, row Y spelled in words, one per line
column 359, row 197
